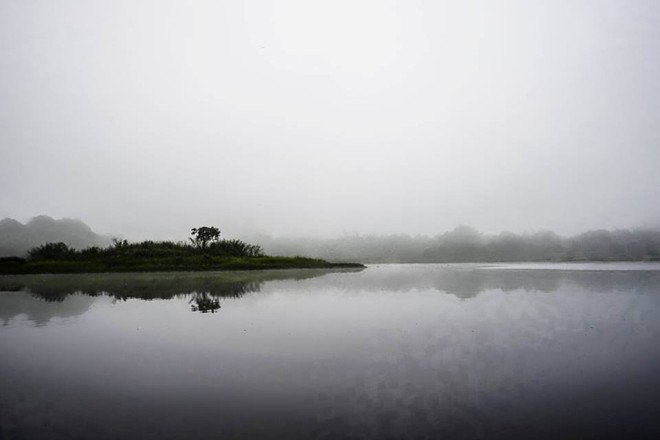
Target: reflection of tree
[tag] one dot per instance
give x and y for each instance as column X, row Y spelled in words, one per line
column 208, row 301
column 203, row 302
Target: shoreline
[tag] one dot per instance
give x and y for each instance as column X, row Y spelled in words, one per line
column 23, row 267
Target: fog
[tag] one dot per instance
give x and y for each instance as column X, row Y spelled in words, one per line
column 329, row 119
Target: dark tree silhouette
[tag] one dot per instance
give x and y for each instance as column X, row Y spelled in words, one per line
column 203, row 235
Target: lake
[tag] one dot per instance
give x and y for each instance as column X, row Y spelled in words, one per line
column 392, row 351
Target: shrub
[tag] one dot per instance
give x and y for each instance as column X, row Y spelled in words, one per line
column 51, row 251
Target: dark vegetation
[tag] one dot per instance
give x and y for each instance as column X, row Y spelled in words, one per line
column 206, row 251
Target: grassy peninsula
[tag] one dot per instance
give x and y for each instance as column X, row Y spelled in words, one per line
column 204, row 251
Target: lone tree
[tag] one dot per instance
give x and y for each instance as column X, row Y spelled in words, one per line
column 203, row 235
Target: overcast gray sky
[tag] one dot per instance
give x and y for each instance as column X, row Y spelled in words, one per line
column 325, row 118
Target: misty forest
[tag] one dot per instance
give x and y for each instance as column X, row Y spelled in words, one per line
column 44, row 238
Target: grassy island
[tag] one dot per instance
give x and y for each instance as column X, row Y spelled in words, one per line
column 205, row 251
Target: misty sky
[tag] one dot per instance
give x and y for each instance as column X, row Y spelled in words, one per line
column 146, row 118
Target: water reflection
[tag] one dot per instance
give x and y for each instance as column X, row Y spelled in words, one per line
column 204, row 302
column 122, row 286
column 462, row 280
column 205, row 290
column 69, row 295
column 469, row 280
column 39, row 311
column 389, row 352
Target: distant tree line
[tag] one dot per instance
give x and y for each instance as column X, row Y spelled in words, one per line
column 465, row 244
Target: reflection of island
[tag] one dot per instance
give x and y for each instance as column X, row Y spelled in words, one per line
column 205, row 289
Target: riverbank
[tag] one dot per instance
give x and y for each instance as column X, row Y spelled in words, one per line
column 15, row 265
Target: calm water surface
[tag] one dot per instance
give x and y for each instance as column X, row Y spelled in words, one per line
column 393, row 351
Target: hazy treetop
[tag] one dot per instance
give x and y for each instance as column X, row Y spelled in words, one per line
column 324, row 118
